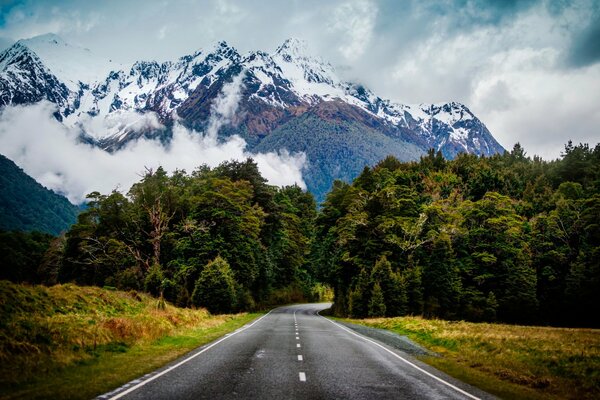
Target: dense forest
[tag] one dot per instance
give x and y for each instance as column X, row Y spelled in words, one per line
column 219, row 238
column 507, row 238
column 502, row 238
column 25, row 205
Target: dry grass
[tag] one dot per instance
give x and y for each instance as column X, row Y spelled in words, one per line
column 45, row 330
column 508, row 360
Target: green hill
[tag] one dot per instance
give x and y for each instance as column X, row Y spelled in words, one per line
column 25, row 205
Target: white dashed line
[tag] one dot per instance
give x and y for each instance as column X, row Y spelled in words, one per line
column 302, row 377
column 300, row 357
column 297, row 337
column 158, row 375
column 298, row 345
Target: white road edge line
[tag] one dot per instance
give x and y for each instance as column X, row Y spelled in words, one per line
column 402, row 359
column 302, row 376
column 139, row 385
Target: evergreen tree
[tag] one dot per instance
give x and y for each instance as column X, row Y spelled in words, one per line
column 215, row 289
column 377, row 303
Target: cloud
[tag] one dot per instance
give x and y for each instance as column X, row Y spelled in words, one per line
column 585, row 48
column 5, row 43
column 472, row 51
column 354, row 21
column 52, row 154
column 225, row 106
column 114, row 123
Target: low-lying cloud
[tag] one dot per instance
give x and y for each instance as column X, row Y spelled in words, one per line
column 51, row 153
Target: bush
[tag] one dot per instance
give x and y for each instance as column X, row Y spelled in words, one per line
column 215, row 289
column 153, row 281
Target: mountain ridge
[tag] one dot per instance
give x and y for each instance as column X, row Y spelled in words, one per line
column 276, row 88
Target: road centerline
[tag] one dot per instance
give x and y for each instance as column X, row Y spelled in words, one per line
column 158, row 375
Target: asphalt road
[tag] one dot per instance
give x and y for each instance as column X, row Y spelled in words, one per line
column 294, row 353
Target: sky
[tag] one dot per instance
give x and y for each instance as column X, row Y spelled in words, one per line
column 530, row 70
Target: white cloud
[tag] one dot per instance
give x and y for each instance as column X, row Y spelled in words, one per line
column 225, row 106
column 114, row 123
column 354, row 23
column 484, row 54
column 52, row 154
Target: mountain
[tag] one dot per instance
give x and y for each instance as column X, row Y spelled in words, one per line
column 25, row 205
column 288, row 100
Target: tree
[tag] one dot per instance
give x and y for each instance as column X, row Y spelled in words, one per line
column 215, row 289
column 377, row 303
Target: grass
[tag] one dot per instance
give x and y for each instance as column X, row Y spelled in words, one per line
column 510, row 361
column 73, row 342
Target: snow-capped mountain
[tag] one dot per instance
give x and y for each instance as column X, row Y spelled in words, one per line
column 282, row 93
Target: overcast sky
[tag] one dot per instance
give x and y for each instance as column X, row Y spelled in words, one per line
column 530, row 70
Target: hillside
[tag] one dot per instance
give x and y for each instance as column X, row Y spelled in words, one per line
column 25, row 205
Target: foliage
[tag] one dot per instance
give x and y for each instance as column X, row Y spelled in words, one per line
column 172, row 236
column 25, row 205
column 506, row 238
column 215, row 288
column 67, row 341
column 21, row 254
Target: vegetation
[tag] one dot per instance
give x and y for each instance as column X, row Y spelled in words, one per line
column 22, row 254
column 218, row 238
column 336, row 149
column 25, row 205
column 506, row 238
column 67, row 341
column 510, row 361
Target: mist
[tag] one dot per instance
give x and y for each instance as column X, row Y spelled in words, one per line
column 52, row 153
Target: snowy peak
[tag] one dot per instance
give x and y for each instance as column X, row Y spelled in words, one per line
column 69, row 63
column 278, row 86
column 24, row 79
column 16, row 56
column 292, row 48
column 449, row 113
column 44, row 41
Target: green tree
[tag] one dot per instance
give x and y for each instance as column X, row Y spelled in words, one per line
column 215, row 289
column 377, row 302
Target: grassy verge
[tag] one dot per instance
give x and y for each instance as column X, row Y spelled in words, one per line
column 512, row 362
column 73, row 342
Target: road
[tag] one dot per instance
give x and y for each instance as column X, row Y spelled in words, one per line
column 294, row 353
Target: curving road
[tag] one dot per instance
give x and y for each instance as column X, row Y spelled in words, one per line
column 294, row 353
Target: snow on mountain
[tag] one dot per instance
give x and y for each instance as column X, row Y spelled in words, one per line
column 70, row 64
column 109, row 102
column 25, row 80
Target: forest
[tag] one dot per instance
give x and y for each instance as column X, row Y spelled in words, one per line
column 506, row 238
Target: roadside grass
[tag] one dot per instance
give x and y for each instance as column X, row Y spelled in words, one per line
column 509, row 361
column 73, row 342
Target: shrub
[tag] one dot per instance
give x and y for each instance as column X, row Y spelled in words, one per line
column 215, row 288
